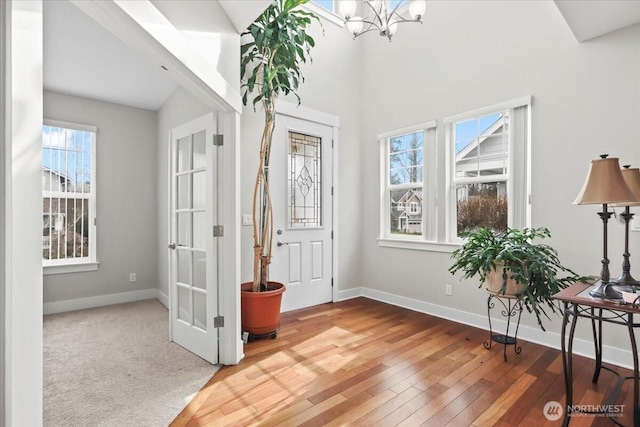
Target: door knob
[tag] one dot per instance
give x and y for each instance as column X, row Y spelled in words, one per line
column 172, row 246
column 282, row 243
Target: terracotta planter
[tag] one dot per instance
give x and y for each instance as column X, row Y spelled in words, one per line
column 493, row 282
column 260, row 311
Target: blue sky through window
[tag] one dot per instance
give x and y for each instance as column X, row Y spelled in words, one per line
column 328, row 4
column 468, row 131
column 68, row 153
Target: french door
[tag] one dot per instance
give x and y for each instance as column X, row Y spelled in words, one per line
column 193, row 252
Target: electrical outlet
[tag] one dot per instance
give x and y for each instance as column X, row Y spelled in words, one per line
column 448, row 289
column 132, row 277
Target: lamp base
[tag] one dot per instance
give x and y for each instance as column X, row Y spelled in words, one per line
column 627, row 280
column 605, row 290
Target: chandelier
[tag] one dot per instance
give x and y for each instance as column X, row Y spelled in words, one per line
column 383, row 17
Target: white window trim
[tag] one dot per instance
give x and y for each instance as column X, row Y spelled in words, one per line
column 439, row 182
column 91, row 262
column 324, row 13
column 428, row 190
column 418, row 245
column 519, row 163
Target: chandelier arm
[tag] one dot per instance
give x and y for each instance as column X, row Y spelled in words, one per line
column 402, row 19
column 394, row 11
column 365, row 31
column 370, row 24
column 375, row 13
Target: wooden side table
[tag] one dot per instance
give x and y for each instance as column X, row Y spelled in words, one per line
column 512, row 307
column 578, row 304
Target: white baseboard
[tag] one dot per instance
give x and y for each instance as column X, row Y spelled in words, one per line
column 102, row 300
column 613, row 355
column 163, row 298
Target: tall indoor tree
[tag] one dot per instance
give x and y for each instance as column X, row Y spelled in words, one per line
column 270, row 65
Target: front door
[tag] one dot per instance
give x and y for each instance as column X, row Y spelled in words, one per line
column 193, row 253
column 301, row 188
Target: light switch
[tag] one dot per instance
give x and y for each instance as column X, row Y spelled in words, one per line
column 246, row 219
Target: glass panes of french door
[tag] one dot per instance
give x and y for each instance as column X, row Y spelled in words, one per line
column 190, row 230
column 304, row 207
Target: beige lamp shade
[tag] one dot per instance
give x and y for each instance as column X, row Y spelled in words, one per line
column 605, row 184
column 632, row 178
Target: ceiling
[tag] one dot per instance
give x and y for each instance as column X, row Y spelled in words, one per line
column 84, row 59
column 589, row 19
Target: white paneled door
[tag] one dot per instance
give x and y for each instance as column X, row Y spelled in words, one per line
column 193, row 250
column 301, row 188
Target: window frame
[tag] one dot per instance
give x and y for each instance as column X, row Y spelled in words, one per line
column 439, row 198
column 89, row 263
column 518, row 169
column 329, row 15
column 429, row 130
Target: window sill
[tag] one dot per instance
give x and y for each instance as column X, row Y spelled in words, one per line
column 70, row 268
column 419, row 245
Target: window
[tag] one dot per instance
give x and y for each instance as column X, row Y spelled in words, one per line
column 481, row 172
column 327, row 4
column 68, row 194
column 327, row 9
column 403, row 155
column 334, row 5
column 476, row 175
column 488, row 179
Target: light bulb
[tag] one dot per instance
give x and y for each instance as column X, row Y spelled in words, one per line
column 393, row 26
column 417, row 8
column 354, row 25
column 348, row 9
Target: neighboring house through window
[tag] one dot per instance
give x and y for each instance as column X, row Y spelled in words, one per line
column 403, row 154
column 68, row 194
column 484, row 181
column 489, row 168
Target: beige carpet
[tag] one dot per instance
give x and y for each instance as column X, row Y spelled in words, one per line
column 114, row 366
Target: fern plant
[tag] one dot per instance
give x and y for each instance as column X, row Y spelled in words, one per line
column 534, row 265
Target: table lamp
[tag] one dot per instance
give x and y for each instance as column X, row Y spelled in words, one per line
column 605, row 185
column 632, row 178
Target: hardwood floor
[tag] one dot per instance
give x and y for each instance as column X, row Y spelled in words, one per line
column 365, row 363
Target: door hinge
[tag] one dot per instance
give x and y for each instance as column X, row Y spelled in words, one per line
column 218, row 139
column 218, row 322
column 218, row 230
column 332, row 282
column 331, row 234
column 332, row 141
column 332, row 191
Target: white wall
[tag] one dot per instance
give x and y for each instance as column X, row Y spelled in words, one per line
column 4, row 137
column 22, row 308
column 332, row 85
column 180, row 108
column 467, row 55
column 210, row 33
column 127, row 189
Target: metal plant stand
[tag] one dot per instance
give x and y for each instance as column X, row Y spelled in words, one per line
column 512, row 307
